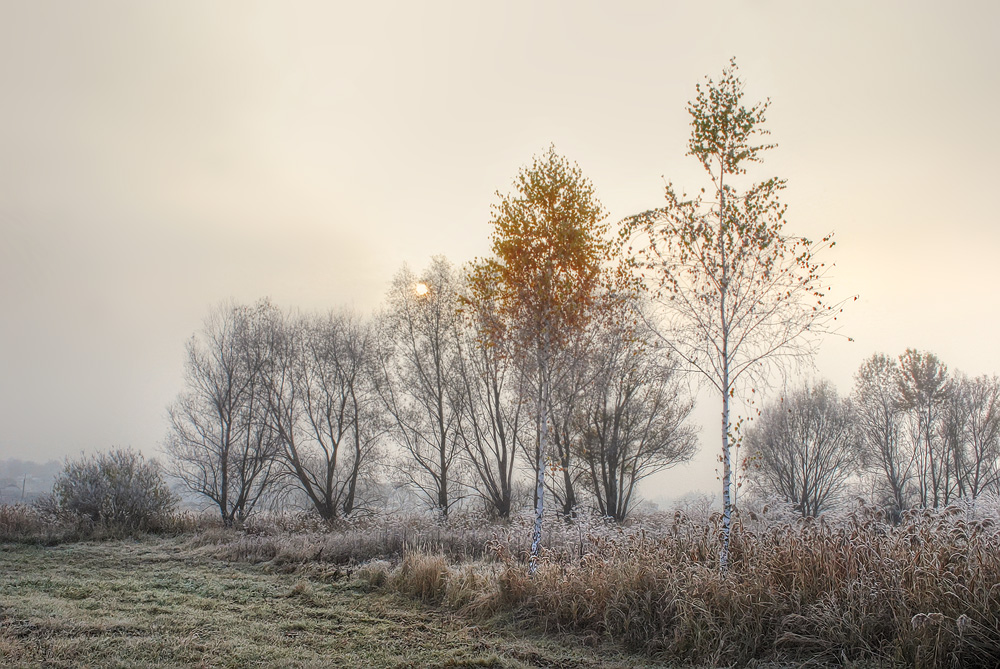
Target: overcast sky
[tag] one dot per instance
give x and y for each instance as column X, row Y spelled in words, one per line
column 159, row 158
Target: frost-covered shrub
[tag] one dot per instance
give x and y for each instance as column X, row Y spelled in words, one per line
column 119, row 488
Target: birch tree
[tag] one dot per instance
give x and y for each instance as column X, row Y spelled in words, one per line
column 548, row 244
column 739, row 296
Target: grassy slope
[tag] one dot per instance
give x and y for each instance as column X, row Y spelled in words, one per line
column 158, row 602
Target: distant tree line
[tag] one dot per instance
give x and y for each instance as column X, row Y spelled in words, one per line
column 911, row 435
column 339, row 408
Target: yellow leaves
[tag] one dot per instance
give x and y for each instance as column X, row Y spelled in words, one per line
column 549, row 244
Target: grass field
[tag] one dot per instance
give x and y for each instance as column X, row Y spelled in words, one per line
column 849, row 590
column 163, row 602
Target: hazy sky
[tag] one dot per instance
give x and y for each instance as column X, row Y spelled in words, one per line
column 158, row 158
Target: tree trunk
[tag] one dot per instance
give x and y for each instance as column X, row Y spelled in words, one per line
column 727, row 505
column 727, row 502
column 543, row 436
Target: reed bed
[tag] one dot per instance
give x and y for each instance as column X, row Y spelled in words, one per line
column 853, row 590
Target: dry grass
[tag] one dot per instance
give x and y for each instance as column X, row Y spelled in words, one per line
column 856, row 591
column 155, row 602
column 850, row 590
column 47, row 525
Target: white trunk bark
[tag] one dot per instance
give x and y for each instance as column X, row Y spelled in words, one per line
column 540, row 452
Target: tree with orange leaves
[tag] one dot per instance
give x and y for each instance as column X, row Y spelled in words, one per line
column 543, row 281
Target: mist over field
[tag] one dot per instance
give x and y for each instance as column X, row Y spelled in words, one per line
column 161, row 160
column 537, row 334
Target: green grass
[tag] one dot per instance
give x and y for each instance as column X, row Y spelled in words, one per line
column 164, row 602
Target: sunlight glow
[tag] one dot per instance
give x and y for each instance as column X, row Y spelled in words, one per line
column 421, row 289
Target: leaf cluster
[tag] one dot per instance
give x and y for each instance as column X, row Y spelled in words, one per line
column 548, row 248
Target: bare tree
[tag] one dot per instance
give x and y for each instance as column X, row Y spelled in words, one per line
column 493, row 417
column 953, row 429
column 420, row 379
column 220, row 444
column 804, row 449
column 322, row 404
column 923, row 386
column 982, row 401
column 634, row 417
column 738, row 295
column 879, row 418
column 566, row 406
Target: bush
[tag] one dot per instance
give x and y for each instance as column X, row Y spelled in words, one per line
column 118, row 488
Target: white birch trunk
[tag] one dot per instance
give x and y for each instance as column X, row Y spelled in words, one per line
column 727, row 502
column 540, row 452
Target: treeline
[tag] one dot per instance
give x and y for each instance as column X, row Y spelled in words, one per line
column 559, row 359
column 910, row 435
column 337, row 410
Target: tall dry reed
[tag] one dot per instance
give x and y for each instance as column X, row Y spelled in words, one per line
column 925, row 593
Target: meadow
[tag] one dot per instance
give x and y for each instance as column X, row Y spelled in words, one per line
column 845, row 590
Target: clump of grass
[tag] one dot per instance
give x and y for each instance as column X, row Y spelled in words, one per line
column 303, row 590
column 19, row 521
column 374, row 572
column 422, row 576
column 46, row 525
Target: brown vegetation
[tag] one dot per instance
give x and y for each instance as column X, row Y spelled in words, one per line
column 851, row 589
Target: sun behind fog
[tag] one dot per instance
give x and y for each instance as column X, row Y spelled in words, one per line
column 421, row 289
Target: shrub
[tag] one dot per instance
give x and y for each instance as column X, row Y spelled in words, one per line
column 118, row 488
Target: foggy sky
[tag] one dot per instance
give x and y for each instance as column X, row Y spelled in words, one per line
column 157, row 159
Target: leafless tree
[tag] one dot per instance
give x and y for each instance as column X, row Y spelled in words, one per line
column 494, row 416
column 804, row 449
column 420, row 379
column 923, row 387
column 634, row 417
column 879, row 418
column 323, row 406
column 219, row 443
column 579, row 373
column 982, row 434
column 967, row 433
column 953, row 427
